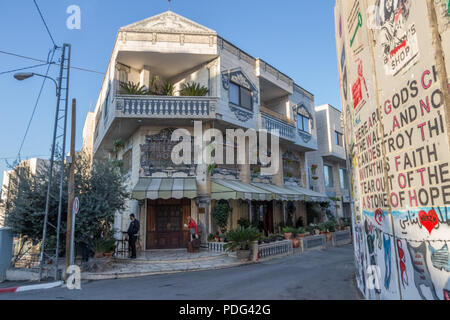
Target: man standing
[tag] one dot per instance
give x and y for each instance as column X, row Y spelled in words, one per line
column 133, row 231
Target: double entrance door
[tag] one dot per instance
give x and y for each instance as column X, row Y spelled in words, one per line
column 262, row 216
column 165, row 224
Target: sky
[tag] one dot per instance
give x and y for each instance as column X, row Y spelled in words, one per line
column 295, row 36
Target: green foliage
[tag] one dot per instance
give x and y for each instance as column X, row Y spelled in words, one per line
column 99, row 186
column 118, row 145
column 301, row 230
column 244, row 223
column 240, row 238
column 211, row 237
column 106, row 244
column 220, row 213
column 132, row 88
column 167, row 89
column 193, row 89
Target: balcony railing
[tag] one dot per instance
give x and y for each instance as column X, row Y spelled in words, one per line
column 286, row 130
column 166, row 106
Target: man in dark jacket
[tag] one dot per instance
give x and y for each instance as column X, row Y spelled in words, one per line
column 133, row 231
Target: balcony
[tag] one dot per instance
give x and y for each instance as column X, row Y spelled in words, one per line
column 166, row 107
column 271, row 121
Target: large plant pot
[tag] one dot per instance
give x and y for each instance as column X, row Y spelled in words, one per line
column 98, row 255
column 108, row 254
column 243, row 254
column 329, row 236
column 295, row 242
column 288, row 236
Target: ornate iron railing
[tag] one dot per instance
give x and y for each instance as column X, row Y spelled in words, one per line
column 275, row 249
column 286, row 130
column 166, row 107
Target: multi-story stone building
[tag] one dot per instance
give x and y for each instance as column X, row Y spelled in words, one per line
column 328, row 165
column 243, row 92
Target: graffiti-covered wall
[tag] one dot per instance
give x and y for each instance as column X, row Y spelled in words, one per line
column 394, row 57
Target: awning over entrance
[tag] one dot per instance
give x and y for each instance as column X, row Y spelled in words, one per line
column 231, row 189
column 311, row 195
column 165, row 188
column 281, row 193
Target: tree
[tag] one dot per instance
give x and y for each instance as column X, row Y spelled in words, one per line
column 99, row 185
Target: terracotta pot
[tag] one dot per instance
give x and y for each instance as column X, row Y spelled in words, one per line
column 329, row 236
column 243, row 254
column 288, row 236
column 301, row 235
column 222, row 240
column 98, row 255
column 108, row 255
column 295, row 242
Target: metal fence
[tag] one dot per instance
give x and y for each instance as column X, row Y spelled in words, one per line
column 275, row 249
column 314, row 242
column 341, row 238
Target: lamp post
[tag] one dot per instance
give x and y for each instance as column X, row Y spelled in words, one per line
column 26, row 75
column 59, row 133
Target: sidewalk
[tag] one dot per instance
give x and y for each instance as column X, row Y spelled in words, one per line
column 163, row 262
column 148, row 263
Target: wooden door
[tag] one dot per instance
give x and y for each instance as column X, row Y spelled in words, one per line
column 165, row 224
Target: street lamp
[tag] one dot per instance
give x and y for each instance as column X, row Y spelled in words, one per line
column 25, row 75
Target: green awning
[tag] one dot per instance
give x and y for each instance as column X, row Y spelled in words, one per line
column 311, row 195
column 232, row 189
column 281, row 193
column 165, row 188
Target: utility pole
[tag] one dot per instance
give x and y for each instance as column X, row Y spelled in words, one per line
column 70, row 220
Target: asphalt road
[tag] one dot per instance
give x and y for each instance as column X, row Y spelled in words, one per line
column 317, row 275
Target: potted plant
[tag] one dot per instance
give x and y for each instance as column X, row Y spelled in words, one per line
column 243, row 223
column 301, row 232
column 211, row 237
column 220, row 214
column 295, row 240
column 287, row 231
column 239, row 240
column 105, row 247
column 330, row 228
column 222, row 238
column 313, row 171
column 118, row 145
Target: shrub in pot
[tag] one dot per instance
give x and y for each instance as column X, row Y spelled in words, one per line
column 287, row 231
column 105, row 246
column 239, row 240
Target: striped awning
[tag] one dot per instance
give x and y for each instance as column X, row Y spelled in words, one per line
column 281, row 193
column 311, row 196
column 165, row 188
column 231, row 189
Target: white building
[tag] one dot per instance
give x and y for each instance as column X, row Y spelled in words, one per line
column 243, row 92
column 331, row 175
column 34, row 165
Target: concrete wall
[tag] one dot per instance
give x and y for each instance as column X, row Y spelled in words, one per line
column 396, row 104
column 6, row 242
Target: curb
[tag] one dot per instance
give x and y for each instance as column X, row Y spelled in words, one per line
column 137, row 261
column 32, row 287
column 125, row 275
